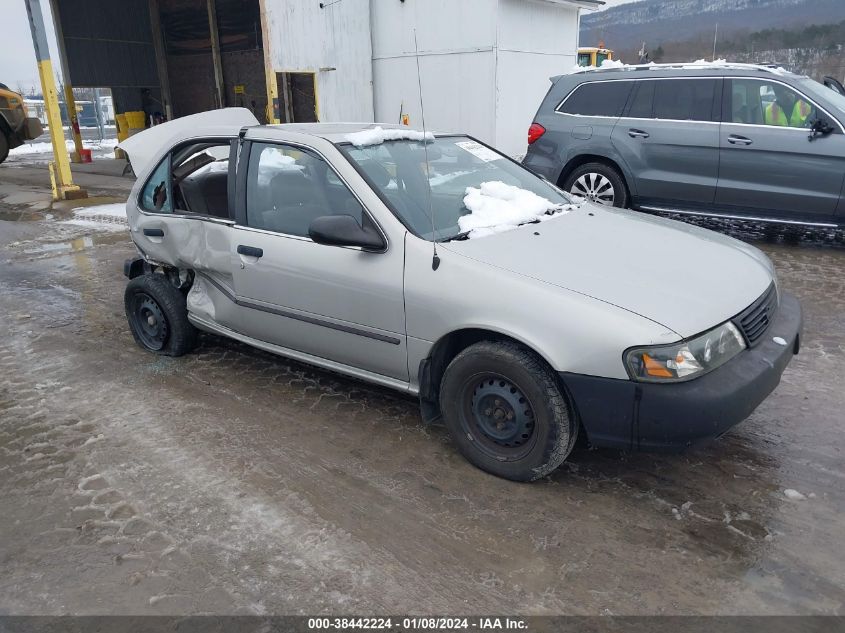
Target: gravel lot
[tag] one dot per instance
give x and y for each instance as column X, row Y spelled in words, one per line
column 233, row 481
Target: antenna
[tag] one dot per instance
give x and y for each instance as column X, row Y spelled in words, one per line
column 435, row 260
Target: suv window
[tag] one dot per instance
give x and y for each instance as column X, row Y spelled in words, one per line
column 601, row 98
column 760, row 102
column 288, row 188
column 684, row 99
column 156, row 196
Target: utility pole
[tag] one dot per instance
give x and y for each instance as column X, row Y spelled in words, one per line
column 715, row 38
column 215, row 53
column 70, row 100
column 161, row 59
column 60, row 176
column 273, row 114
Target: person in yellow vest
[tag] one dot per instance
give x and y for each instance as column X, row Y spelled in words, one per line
column 786, row 101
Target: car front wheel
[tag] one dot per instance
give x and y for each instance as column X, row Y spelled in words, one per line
column 506, row 412
column 598, row 183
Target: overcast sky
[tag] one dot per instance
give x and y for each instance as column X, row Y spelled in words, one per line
column 17, row 62
column 20, row 67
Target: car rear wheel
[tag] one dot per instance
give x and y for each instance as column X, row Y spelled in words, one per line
column 4, row 146
column 158, row 316
column 598, row 183
column 506, row 412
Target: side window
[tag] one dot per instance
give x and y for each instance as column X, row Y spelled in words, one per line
column 758, row 102
column 642, row 104
column 156, row 196
column 288, row 188
column 603, row 98
column 684, row 99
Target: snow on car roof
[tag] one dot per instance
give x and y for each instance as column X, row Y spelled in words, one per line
column 614, row 65
column 338, row 132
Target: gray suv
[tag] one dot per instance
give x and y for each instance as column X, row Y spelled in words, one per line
column 731, row 140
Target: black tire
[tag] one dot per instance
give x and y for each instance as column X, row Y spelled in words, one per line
column 158, row 316
column 506, row 412
column 4, row 146
column 592, row 180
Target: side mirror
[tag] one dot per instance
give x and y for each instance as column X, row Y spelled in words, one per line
column 819, row 127
column 344, row 230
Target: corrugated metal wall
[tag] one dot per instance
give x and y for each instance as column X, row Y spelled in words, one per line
column 109, row 43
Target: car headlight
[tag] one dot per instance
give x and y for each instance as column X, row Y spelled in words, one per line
column 685, row 360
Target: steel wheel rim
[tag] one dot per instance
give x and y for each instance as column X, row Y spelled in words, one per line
column 149, row 322
column 594, row 187
column 498, row 417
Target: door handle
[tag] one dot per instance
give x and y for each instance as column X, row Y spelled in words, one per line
column 250, row 251
column 633, row 133
column 154, row 232
column 735, row 139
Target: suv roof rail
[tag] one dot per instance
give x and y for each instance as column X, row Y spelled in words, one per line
column 766, row 68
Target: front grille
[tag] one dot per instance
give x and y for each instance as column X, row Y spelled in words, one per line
column 756, row 318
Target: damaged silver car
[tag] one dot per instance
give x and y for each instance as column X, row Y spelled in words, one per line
column 436, row 266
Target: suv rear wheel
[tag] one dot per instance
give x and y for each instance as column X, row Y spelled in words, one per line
column 598, row 183
column 505, row 411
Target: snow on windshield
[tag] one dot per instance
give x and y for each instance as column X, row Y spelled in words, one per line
column 496, row 207
column 378, row 135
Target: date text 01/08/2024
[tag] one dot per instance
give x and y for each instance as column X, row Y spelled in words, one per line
column 417, row 623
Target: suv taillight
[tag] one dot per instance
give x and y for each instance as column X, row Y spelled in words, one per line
column 534, row 132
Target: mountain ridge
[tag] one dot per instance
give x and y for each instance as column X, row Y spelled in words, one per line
column 657, row 22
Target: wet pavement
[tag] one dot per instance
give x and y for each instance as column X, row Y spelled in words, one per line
column 233, row 481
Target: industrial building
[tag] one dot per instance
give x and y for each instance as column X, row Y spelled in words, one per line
column 483, row 64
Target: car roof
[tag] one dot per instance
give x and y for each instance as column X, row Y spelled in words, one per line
column 334, row 132
column 692, row 69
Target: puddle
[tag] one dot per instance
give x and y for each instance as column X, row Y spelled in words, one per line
column 10, row 215
column 78, row 244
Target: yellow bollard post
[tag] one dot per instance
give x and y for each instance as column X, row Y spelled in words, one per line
column 65, row 189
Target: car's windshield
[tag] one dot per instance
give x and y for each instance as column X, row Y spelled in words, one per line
column 397, row 170
column 820, row 91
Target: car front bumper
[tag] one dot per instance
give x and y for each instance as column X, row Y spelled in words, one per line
column 650, row 416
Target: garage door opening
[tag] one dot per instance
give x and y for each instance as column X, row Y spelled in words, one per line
column 297, row 97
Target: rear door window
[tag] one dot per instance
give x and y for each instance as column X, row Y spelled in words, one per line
column 684, row 99
column 156, row 196
column 642, row 103
column 602, row 98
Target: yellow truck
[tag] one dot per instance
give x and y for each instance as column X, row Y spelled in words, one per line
column 15, row 126
column 593, row 56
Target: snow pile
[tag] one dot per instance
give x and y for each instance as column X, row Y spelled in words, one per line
column 704, row 62
column 496, row 207
column 378, row 135
column 612, row 63
column 103, row 217
column 47, row 148
column 789, row 493
column 216, row 166
column 273, row 161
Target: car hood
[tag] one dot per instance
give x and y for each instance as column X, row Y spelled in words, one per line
column 683, row 277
